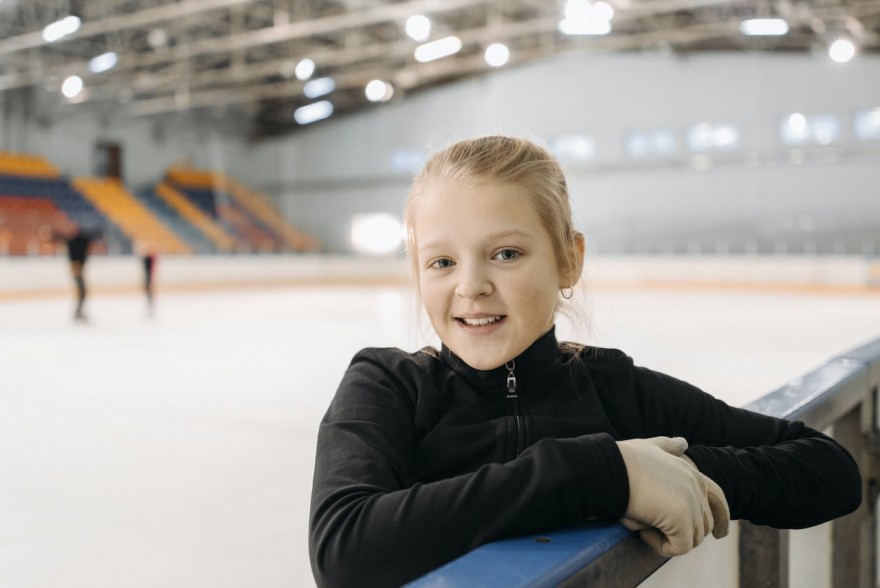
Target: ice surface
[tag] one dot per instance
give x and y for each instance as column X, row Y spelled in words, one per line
column 178, row 451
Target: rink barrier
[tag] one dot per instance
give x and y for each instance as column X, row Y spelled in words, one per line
column 828, row 274
column 839, row 397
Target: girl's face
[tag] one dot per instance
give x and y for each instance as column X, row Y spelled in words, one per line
column 487, row 270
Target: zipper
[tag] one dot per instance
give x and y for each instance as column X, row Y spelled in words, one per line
column 513, row 399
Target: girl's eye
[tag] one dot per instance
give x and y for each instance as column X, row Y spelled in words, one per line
column 507, row 254
column 442, row 263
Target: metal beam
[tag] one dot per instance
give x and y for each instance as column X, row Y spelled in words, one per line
column 121, row 22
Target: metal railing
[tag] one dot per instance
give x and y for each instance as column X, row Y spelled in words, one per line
column 839, row 397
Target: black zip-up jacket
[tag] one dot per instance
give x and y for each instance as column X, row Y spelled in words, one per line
column 422, row 458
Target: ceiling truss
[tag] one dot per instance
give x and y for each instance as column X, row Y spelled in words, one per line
column 219, row 55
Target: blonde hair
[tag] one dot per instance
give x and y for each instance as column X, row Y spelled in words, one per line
column 519, row 162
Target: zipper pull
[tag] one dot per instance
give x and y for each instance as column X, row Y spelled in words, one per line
column 511, row 379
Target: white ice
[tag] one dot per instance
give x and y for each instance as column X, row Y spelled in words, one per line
column 178, row 451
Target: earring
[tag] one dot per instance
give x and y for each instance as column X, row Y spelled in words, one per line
column 570, row 293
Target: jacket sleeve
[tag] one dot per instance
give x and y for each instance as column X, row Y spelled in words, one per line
column 773, row 471
column 370, row 527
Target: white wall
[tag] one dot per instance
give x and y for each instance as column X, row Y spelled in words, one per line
column 338, row 168
column 66, row 134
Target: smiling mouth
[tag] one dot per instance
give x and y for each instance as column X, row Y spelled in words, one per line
column 481, row 322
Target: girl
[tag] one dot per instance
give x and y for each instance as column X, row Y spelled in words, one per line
column 425, row 456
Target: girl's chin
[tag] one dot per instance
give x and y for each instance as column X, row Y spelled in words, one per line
column 482, row 361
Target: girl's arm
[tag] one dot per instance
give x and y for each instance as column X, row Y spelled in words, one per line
column 773, row 472
column 370, row 526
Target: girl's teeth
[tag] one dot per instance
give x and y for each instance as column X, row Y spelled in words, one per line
column 481, row 321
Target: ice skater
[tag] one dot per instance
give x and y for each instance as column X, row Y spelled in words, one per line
column 78, row 240
column 148, row 256
column 505, row 431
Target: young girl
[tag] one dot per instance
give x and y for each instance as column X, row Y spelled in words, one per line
column 425, row 456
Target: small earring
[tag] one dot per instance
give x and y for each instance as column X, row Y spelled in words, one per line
column 570, row 293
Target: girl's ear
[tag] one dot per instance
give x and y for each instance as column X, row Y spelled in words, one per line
column 574, row 273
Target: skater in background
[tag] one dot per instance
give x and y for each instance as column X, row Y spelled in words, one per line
column 148, row 255
column 78, row 240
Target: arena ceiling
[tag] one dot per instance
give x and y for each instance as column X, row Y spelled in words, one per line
column 238, row 57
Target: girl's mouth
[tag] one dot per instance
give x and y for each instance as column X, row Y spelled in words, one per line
column 482, row 321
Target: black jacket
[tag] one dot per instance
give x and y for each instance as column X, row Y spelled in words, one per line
column 422, row 458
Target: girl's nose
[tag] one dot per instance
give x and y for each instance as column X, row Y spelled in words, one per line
column 474, row 281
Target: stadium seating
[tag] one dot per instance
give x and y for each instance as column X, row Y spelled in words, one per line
column 137, row 222
column 191, row 211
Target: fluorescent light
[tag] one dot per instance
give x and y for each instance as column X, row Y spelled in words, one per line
column 418, row 27
column 313, row 112
column 797, row 123
column 763, row 27
column 61, row 28
column 577, row 9
column 72, row 86
column 602, row 11
column 375, row 233
column 583, row 18
column 304, row 69
column 379, row 91
column 725, row 137
column 319, row 87
column 103, row 62
column 497, row 54
column 588, row 26
column 842, row 50
column 437, row 49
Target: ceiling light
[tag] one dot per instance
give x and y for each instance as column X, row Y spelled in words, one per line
column 589, row 26
column 319, row 87
column 418, row 27
column 602, row 11
column 763, row 27
column 379, row 91
column 103, row 62
column 583, row 18
column 72, row 86
column 437, row 49
column 157, row 38
column 497, row 54
column 797, row 123
column 61, row 28
column 304, row 69
column 842, row 50
column 577, row 9
column 313, row 112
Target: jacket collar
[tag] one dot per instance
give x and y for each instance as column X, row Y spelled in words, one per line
column 534, row 367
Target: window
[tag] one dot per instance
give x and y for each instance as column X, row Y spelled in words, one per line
column 712, row 137
column 867, row 124
column 819, row 129
column 650, row 143
column 573, row 148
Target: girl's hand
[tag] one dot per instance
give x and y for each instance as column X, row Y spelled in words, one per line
column 717, row 502
column 669, row 499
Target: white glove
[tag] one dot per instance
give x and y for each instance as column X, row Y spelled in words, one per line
column 669, row 500
column 717, row 502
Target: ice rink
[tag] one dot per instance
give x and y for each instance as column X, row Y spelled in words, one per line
column 177, row 451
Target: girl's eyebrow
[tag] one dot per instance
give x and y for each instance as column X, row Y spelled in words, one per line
column 490, row 237
column 505, row 234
